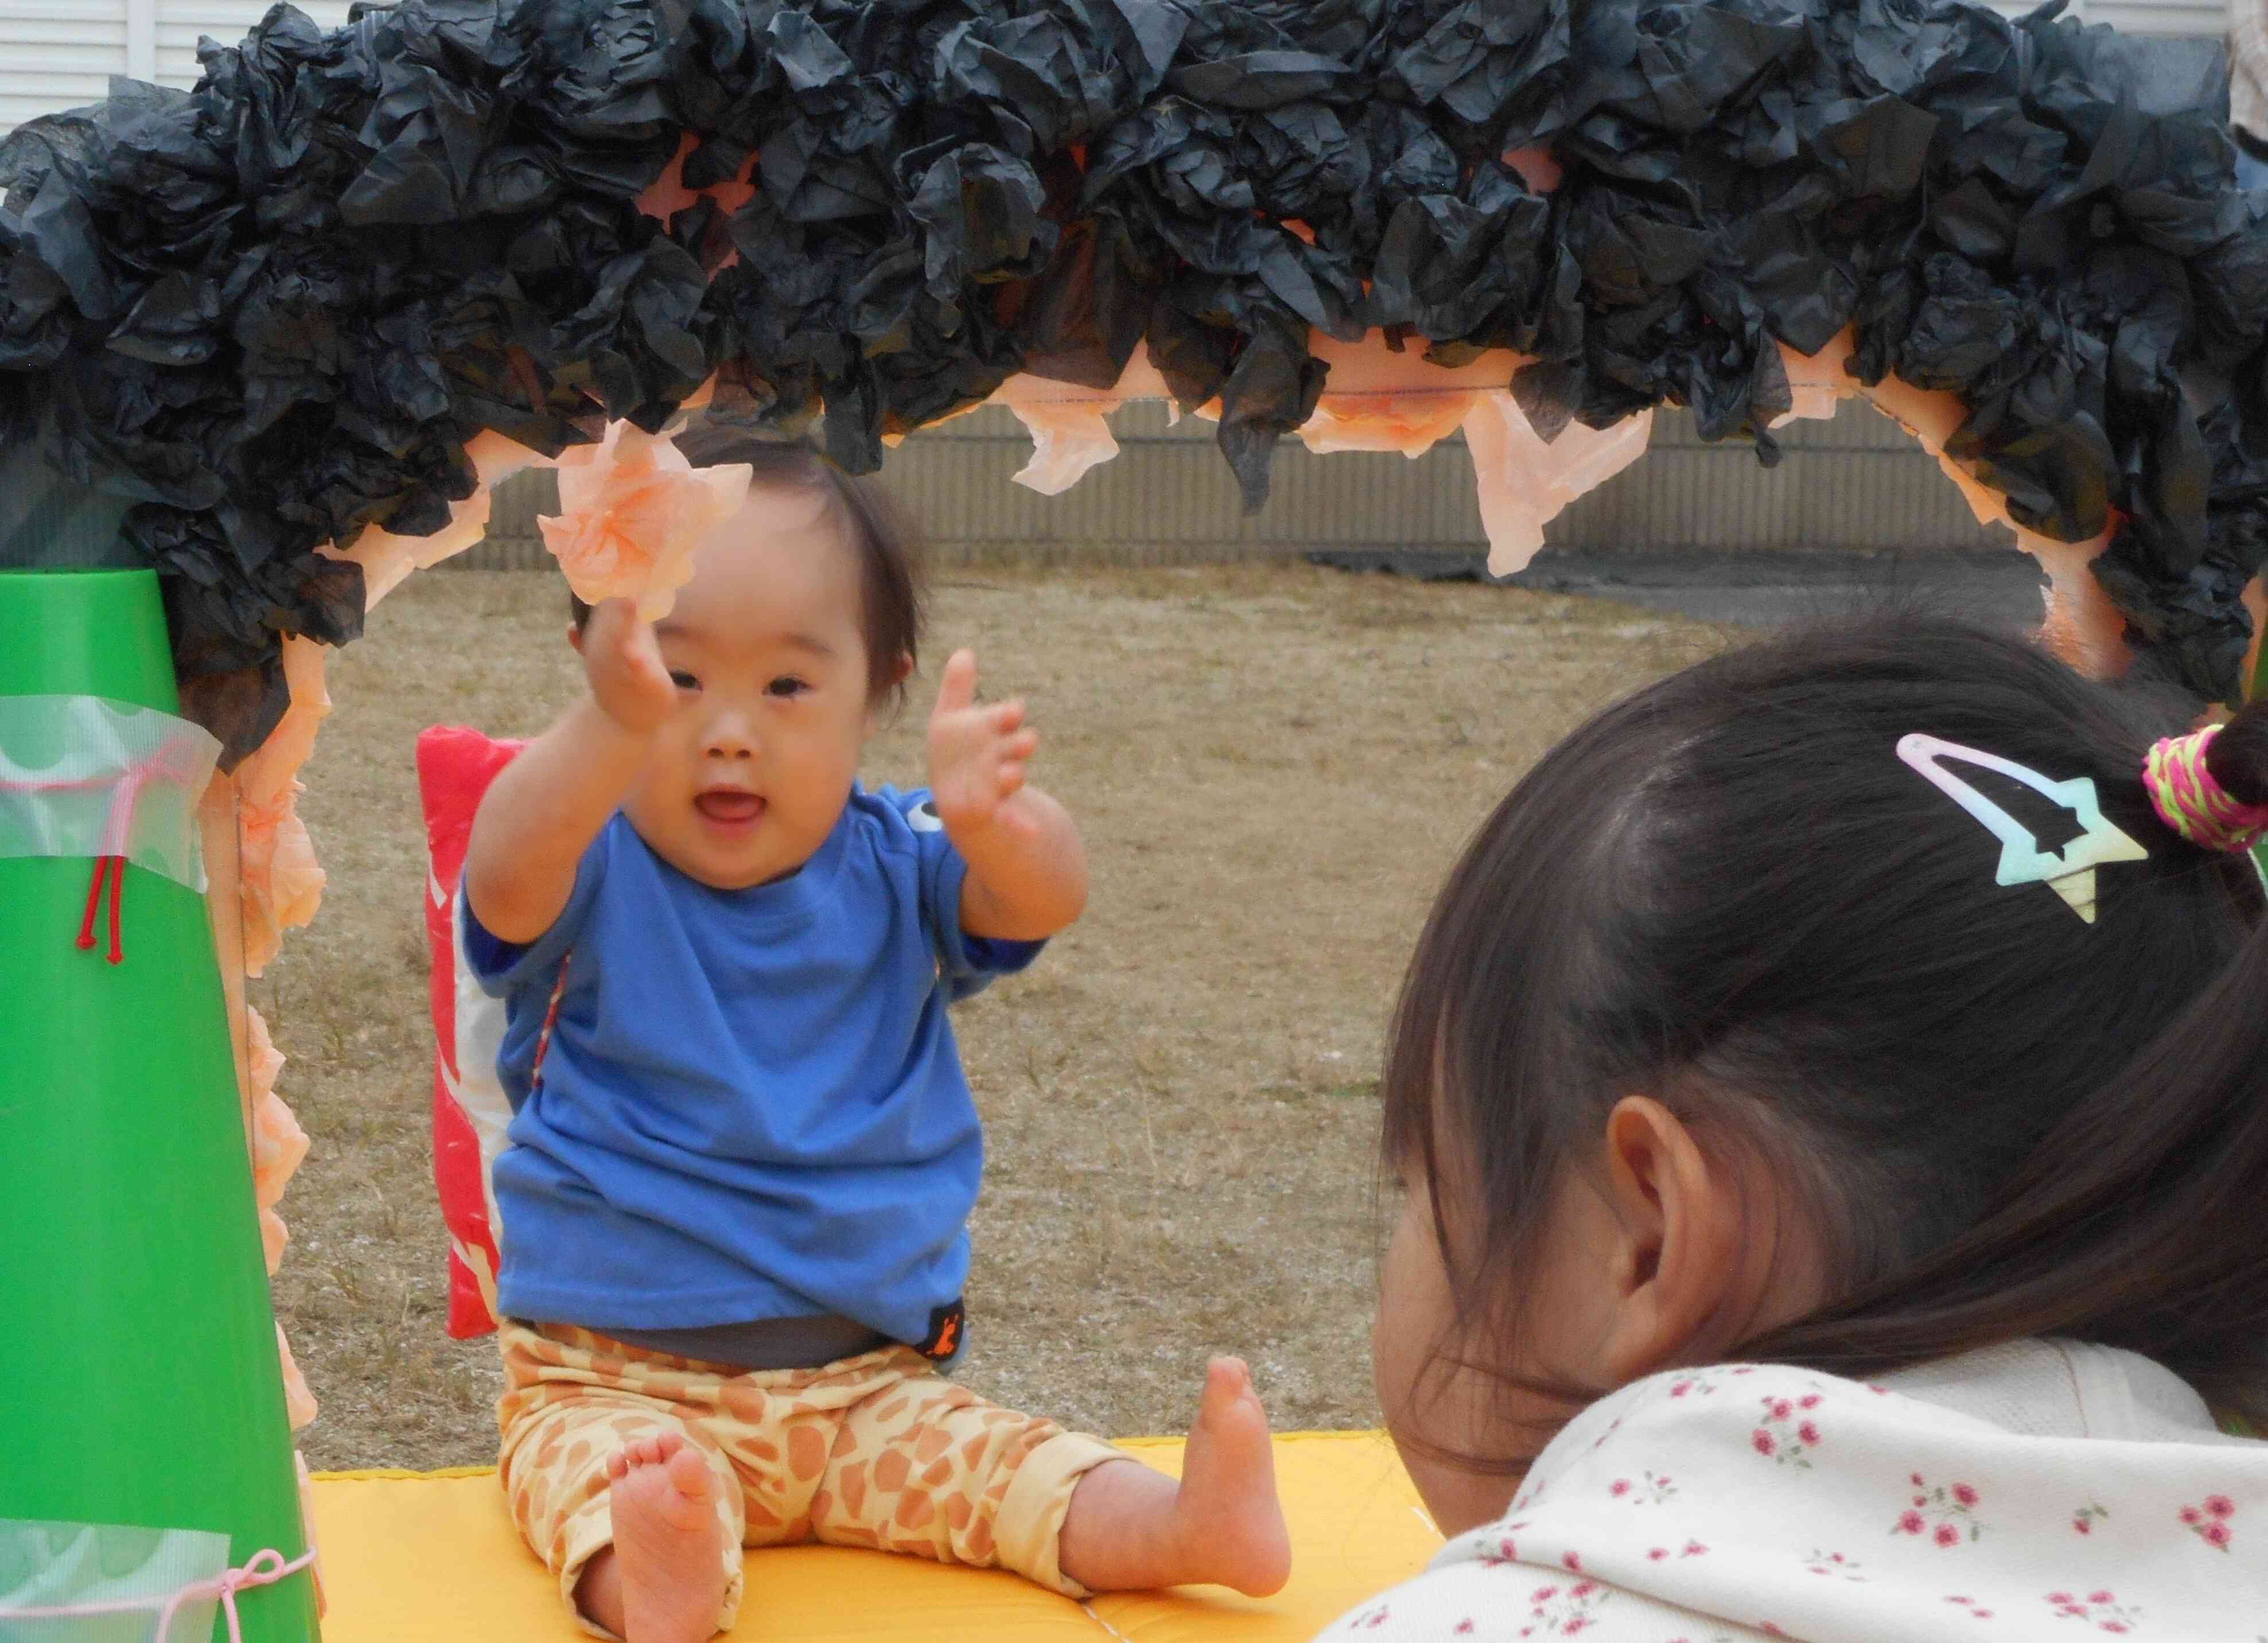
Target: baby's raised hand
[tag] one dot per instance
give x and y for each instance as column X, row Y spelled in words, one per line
column 623, row 661
column 977, row 754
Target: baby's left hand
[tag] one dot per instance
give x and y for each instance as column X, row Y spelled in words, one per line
column 978, row 755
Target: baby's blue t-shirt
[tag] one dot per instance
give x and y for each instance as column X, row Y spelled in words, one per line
column 752, row 1105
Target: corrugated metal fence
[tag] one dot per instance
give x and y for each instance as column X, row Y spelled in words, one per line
column 1856, row 483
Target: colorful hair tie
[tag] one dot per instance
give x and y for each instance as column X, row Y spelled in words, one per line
column 2189, row 801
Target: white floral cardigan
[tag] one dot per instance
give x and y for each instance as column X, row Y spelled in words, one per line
column 2042, row 1491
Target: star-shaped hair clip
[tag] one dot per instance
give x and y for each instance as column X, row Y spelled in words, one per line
column 2070, row 872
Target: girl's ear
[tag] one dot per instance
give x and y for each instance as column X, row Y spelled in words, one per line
column 1694, row 1260
column 905, row 670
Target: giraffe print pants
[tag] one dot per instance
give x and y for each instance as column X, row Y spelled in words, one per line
column 877, row 1450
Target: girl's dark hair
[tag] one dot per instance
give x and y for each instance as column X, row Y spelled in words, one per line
column 1730, row 893
column 893, row 557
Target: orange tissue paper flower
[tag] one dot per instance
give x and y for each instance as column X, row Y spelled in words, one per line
column 278, row 1143
column 1525, row 480
column 269, row 770
column 279, row 886
column 275, row 1238
column 299, row 1402
column 1067, row 439
column 631, row 510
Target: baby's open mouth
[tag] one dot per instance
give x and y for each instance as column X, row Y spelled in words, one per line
column 729, row 805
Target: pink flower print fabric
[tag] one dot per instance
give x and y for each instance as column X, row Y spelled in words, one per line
column 1789, row 1429
column 2100, row 1608
column 1945, row 1515
column 1750, row 1501
column 2210, row 1521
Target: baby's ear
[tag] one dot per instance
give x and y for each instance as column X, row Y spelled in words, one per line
column 575, row 636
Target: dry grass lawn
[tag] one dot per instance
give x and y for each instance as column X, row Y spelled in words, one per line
column 1274, row 766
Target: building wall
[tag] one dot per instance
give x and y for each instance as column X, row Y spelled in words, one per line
column 2189, row 18
column 2179, row 19
column 60, row 54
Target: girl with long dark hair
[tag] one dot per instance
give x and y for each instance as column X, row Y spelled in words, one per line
column 1832, row 1097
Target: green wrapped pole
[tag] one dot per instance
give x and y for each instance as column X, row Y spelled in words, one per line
column 130, row 1267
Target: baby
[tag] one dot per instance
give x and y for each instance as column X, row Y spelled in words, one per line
column 744, row 1152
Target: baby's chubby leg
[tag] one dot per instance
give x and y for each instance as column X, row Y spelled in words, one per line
column 615, row 1481
column 663, row 1579
column 921, row 1464
column 1131, row 1528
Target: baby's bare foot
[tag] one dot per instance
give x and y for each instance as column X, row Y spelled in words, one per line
column 669, row 1553
column 1226, row 1514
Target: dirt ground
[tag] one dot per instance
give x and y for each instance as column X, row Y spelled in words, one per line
column 1273, row 765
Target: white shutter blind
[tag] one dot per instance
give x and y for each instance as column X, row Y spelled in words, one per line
column 179, row 22
column 2189, row 19
column 58, row 53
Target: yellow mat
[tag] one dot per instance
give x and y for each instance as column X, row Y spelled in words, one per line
column 411, row 1558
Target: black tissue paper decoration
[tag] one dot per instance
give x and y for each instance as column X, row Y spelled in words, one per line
column 264, row 315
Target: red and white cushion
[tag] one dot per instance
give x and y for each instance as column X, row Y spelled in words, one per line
column 470, row 1113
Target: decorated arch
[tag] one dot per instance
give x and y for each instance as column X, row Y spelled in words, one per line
column 279, row 337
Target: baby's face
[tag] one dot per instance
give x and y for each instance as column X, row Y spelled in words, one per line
column 750, row 775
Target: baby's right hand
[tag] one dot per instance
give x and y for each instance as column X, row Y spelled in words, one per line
column 622, row 660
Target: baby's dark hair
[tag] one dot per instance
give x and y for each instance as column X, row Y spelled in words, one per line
column 1730, row 893
column 893, row 557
